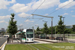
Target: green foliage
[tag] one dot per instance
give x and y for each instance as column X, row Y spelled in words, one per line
column 38, row 28
column 13, row 15
column 3, row 32
column 67, row 31
column 50, row 30
column 72, row 32
column 12, row 28
column 38, row 31
column 60, row 27
column 45, row 29
column 73, row 28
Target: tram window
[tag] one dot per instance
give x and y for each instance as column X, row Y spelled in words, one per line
column 29, row 30
column 23, row 35
column 30, row 35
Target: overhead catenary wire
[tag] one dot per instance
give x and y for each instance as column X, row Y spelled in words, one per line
column 53, row 11
column 60, row 8
column 38, row 6
column 36, row 21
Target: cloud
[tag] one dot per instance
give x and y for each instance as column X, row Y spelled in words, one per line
column 20, row 7
column 28, row 21
column 24, row 15
column 14, row 20
column 36, row 24
column 3, row 21
column 4, row 3
column 46, row 14
column 73, row 15
column 72, row 11
column 5, row 17
column 21, row 25
column 67, row 4
column 46, row 4
column 65, row 14
column 33, row 5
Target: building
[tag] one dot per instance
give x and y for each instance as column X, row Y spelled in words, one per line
column 2, row 30
column 69, row 26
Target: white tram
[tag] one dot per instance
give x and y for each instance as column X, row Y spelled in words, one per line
column 28, row 35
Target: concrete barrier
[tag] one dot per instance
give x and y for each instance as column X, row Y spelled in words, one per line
column 3, row 46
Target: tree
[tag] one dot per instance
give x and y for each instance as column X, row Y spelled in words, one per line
column 60, row 26
column 73, row 28
column 67, row 31
column 50, row 30
column 3, row 32
column 38, row 28
column 12, row 28
column 45, row 29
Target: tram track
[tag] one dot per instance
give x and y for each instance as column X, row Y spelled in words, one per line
column 34, row 47
column 48, row 40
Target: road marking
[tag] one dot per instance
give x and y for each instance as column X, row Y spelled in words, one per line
column 34, row 47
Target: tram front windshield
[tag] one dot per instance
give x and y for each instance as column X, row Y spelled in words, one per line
column 29, row 33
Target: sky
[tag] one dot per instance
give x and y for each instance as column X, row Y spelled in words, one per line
column 24, row 8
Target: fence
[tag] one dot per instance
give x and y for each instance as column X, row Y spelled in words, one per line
column 69, row 36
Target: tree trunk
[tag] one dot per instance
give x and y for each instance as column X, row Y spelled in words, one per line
column 12, row 39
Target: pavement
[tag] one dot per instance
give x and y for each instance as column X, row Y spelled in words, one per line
column 71, row 40
column 49, row 40
column 37, row 41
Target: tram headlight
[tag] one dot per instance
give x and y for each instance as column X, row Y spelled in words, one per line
column 32, row 39
column 27, row 39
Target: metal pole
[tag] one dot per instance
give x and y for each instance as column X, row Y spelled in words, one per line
column 51, row 22
column 55, row 32
column 51, row 28
column 63, row 30
column 63, row 20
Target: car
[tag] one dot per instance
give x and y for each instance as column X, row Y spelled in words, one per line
column 59, row 38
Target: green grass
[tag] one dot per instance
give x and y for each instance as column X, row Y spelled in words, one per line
column 55, row 46
column 19, row 47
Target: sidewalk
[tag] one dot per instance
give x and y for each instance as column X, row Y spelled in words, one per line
column 49, row 40
column 14, row 42
column 71, row 40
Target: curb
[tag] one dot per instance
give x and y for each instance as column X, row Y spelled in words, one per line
column 3, row 46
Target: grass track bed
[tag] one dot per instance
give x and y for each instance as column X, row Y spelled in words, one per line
column 55, row 46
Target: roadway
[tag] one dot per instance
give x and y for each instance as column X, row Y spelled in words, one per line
column 2, row 40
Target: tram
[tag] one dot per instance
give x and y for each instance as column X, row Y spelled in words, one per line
column 28, row 35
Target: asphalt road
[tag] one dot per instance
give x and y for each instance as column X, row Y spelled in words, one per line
column 2, row 40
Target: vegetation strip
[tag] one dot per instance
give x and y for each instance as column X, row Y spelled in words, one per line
column 34, row 47
column 45, row 47
column 29, row 48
